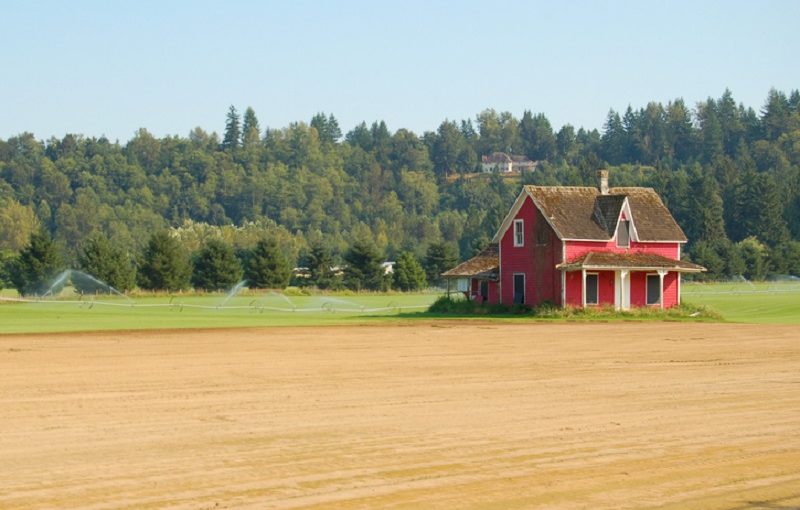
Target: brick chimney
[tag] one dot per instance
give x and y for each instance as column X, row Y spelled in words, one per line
column 602, row 177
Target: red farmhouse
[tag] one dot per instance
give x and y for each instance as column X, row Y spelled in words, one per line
column 581, row 246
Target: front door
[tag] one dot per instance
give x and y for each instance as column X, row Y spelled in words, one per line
column 519, row 289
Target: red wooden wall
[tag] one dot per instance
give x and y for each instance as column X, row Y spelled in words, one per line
column 537, row 260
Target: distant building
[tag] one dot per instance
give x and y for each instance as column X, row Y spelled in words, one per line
column 500, row 162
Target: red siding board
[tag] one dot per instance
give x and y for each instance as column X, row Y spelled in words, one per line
column 577, row 248
column 494, row 293
column 670, row 290
column 605, row 281
column 638, row 289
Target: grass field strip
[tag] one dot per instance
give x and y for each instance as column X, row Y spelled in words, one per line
column 730, row 288
column 698, row 292
column 180, row 305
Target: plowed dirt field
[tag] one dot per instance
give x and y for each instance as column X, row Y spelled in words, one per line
column 435, row 415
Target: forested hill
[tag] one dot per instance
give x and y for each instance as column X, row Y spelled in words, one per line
column 729, row 173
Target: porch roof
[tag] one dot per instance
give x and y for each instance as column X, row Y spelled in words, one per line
column 601, row 260
column 483, row 266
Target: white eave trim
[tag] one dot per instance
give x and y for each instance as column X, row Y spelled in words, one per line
column 611, row 239
column 637, row 269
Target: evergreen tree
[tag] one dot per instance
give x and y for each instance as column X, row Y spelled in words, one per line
column 439, row 258
column 680, row 132
column 706, row 215
column 363, row 269
column 215, row 267
column 320, row 264
column 106, row 261
column 613, row 139
column 266, row 267
column 36, row 265
column 771, row 226
column 761, row 209
column 775, row 115
column 327, row 128
column 408, row 273
column 566, row 141
column 711, row 135
column 251, row 132
column 233, row 132
column 165, row 264
column 448, row 147
column 538, row 140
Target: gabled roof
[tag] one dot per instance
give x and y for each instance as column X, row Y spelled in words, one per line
column 583, row 213
column 485, row 265
column 640, row 261
column 496, row 157
column 606, row 211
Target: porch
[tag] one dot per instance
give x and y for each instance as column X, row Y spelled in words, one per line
column 478, row 277
column 624, row 280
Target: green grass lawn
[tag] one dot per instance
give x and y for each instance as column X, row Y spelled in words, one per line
column 269, row 309
column 740, row 302
column 760, row 302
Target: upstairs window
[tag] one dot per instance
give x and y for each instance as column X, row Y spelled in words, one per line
column 623, row 234
column 519, row 233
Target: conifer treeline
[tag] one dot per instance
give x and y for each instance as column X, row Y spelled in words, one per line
column 730, row 175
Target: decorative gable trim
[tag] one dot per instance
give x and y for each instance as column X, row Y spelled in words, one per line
column 625, row 212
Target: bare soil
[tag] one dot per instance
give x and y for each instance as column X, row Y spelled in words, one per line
column 440, row 415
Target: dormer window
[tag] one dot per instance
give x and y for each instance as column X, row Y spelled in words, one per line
column 519, row 233
column 623, row 234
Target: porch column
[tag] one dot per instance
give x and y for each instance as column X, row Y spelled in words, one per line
column 624, row 297
column 583, row 288
column 661, row 274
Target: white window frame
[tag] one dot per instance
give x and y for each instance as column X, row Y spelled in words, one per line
column 596, row 289
column 647, row 286
column 519, row 236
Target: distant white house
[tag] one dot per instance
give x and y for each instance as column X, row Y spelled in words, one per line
column 500, row 162
column 388, row 267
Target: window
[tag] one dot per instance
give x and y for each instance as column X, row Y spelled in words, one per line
column 653, row 289
column 519, row 233
column 623, row 234
column 591, row 289
column 519, row 289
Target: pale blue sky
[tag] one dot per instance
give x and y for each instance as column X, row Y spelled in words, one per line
column 108, row 68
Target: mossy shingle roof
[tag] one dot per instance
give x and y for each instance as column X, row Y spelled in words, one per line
column 584, row 213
